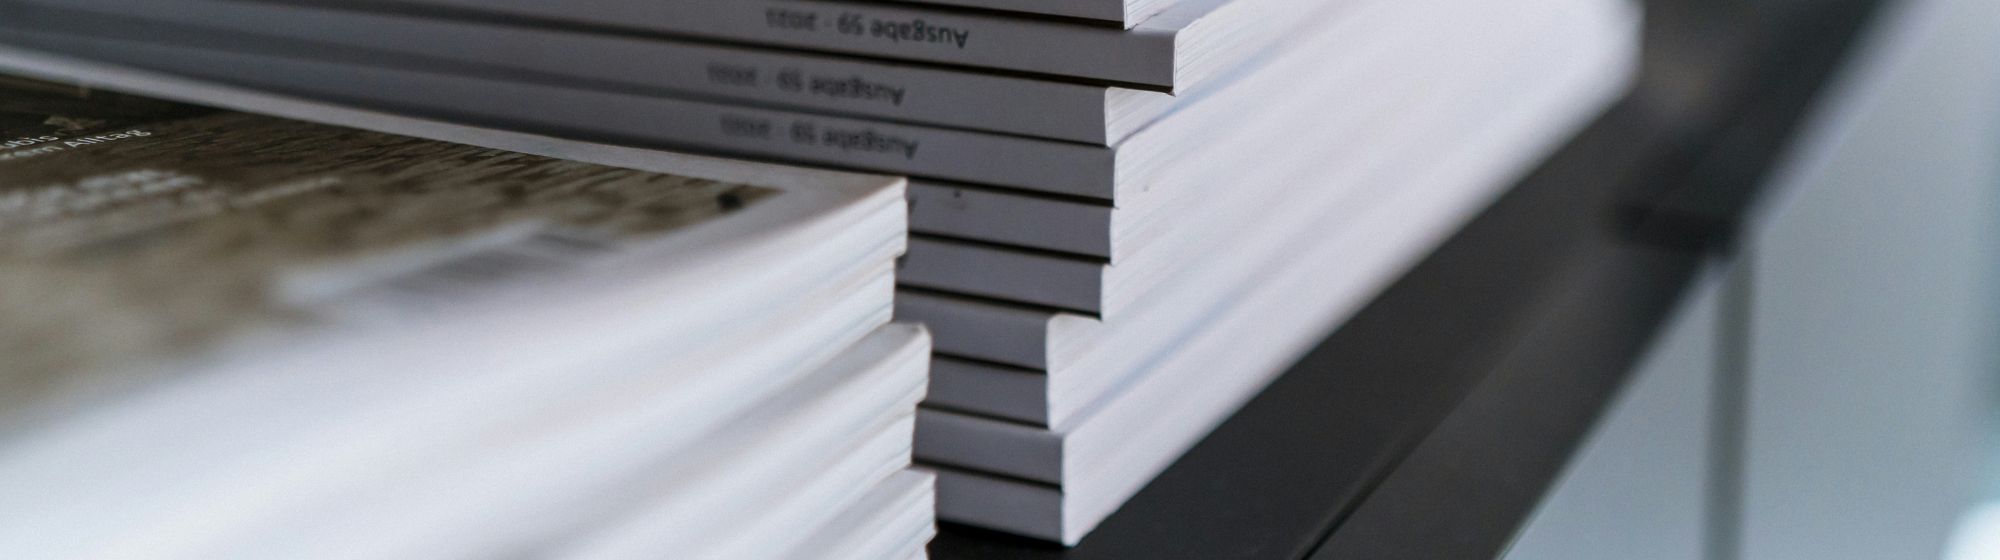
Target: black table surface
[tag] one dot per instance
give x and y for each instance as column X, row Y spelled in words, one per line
column 1430, row 424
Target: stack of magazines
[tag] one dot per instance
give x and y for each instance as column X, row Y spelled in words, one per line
column 1128, row 215
column 230, row 335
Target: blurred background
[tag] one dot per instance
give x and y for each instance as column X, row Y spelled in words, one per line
column 1829, row 389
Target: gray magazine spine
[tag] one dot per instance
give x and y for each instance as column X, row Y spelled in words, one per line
column 963, row 212
column 901, row 92
column 1104, row 10
column 1143, row 55
column 1044, row 165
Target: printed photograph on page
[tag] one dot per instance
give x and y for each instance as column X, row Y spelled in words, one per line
column 134, row 230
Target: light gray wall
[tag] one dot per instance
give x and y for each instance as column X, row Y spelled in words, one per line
column 1636, row 489
column 1871, row 299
